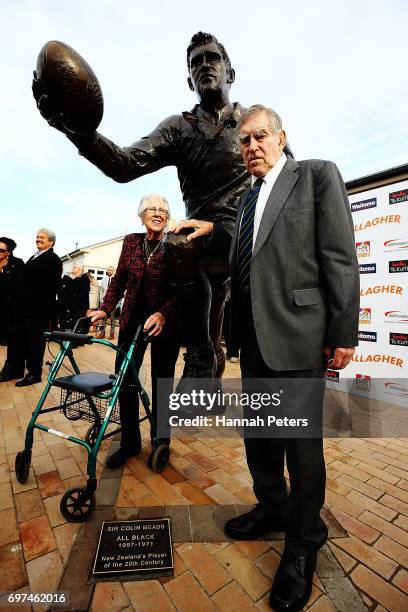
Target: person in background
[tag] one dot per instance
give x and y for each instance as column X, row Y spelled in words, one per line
column 64, row 302
column 41, row 280
column 149, row 301
column 11, row 283
column 80, row 292
column 94, row 291
column 105, row 282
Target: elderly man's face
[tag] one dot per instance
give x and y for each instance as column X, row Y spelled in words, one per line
column 76, row 271
column 260, row 146
column 43, row 242
column 208, row 72
column 110, row 271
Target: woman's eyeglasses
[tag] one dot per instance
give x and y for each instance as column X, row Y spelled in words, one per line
column 157, row 211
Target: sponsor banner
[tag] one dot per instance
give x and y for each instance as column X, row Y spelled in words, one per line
column 370, row 223
column 380, row 218
column 396, row 244
column 363, row 382
column 332, row 375
column 397, row 197
column 398, row 339
column 380, row 289
column 365, row 316
column 400, row 265
column 395, row 316
column 392, row 360
column 367, row 336
column 370, row 268
column 363, row 249
column 363, row 204
column 395, row 387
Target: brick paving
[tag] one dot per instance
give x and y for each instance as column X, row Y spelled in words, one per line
column 363, row 566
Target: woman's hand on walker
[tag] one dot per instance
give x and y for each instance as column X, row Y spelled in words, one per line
column 154, row 324
column 97, row 315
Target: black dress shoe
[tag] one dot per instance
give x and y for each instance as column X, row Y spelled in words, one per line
column 120, row 457
column 292, row 585
column 29, row 379
column 252, row 525
column 9, row 376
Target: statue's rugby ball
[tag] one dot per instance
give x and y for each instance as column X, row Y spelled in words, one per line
column 70, row 86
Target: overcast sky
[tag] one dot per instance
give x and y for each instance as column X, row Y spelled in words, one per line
column 333, row 69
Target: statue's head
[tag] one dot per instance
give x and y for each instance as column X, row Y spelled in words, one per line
column 209, row 67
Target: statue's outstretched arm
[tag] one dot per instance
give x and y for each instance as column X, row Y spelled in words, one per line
column 124, row 164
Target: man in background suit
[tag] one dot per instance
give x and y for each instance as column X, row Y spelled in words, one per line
column 42, row 276
column 295, row 294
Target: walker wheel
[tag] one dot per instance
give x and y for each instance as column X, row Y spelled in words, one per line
column 92, row 434
column 22, row 465
column 77, row 504
column 159, row 458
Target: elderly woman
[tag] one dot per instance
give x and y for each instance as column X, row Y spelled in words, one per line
column 148, row 302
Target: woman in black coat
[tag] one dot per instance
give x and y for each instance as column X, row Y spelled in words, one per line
column 11, row 285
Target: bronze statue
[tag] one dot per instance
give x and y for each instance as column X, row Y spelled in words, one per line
column 203, row 145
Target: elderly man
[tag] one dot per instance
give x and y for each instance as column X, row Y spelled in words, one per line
column 42, row 275
column 295, row 301
column 203, row 145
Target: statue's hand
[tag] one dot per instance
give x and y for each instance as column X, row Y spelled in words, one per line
column 55, row 120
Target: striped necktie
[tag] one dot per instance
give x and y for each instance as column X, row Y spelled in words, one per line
column 246, row 234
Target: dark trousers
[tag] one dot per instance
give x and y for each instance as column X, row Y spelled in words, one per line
column 300, row 508
column 33, row 328
column 15, row 348
column 164, row 353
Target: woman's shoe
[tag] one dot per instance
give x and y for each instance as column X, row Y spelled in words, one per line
column 120, row 457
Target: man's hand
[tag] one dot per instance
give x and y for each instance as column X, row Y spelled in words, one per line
column 202, row 228
column 156, row 322
column 97, row 315
column 338, row 358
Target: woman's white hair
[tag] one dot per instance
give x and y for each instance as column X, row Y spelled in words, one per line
column 144, row 203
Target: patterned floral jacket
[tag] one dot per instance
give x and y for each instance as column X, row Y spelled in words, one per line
column 132, row 268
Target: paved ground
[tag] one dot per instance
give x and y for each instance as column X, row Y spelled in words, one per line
column 364, row 565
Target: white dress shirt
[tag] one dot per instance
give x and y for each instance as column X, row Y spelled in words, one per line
column 38, row 253
column 268, row 182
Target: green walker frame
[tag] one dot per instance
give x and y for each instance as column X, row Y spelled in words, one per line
column 94, row 390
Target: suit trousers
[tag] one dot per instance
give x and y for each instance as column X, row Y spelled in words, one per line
column 34, row 327
column 164, row 353
column 300, row 508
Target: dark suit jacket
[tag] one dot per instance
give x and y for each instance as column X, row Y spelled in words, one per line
column 131, row 271
column 42, row 277
column 304, row 274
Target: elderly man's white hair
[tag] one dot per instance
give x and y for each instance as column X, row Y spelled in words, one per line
column 144, row 203
column 51, row 235
column 275, row 122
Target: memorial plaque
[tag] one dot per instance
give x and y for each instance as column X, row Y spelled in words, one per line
column 142, row 547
